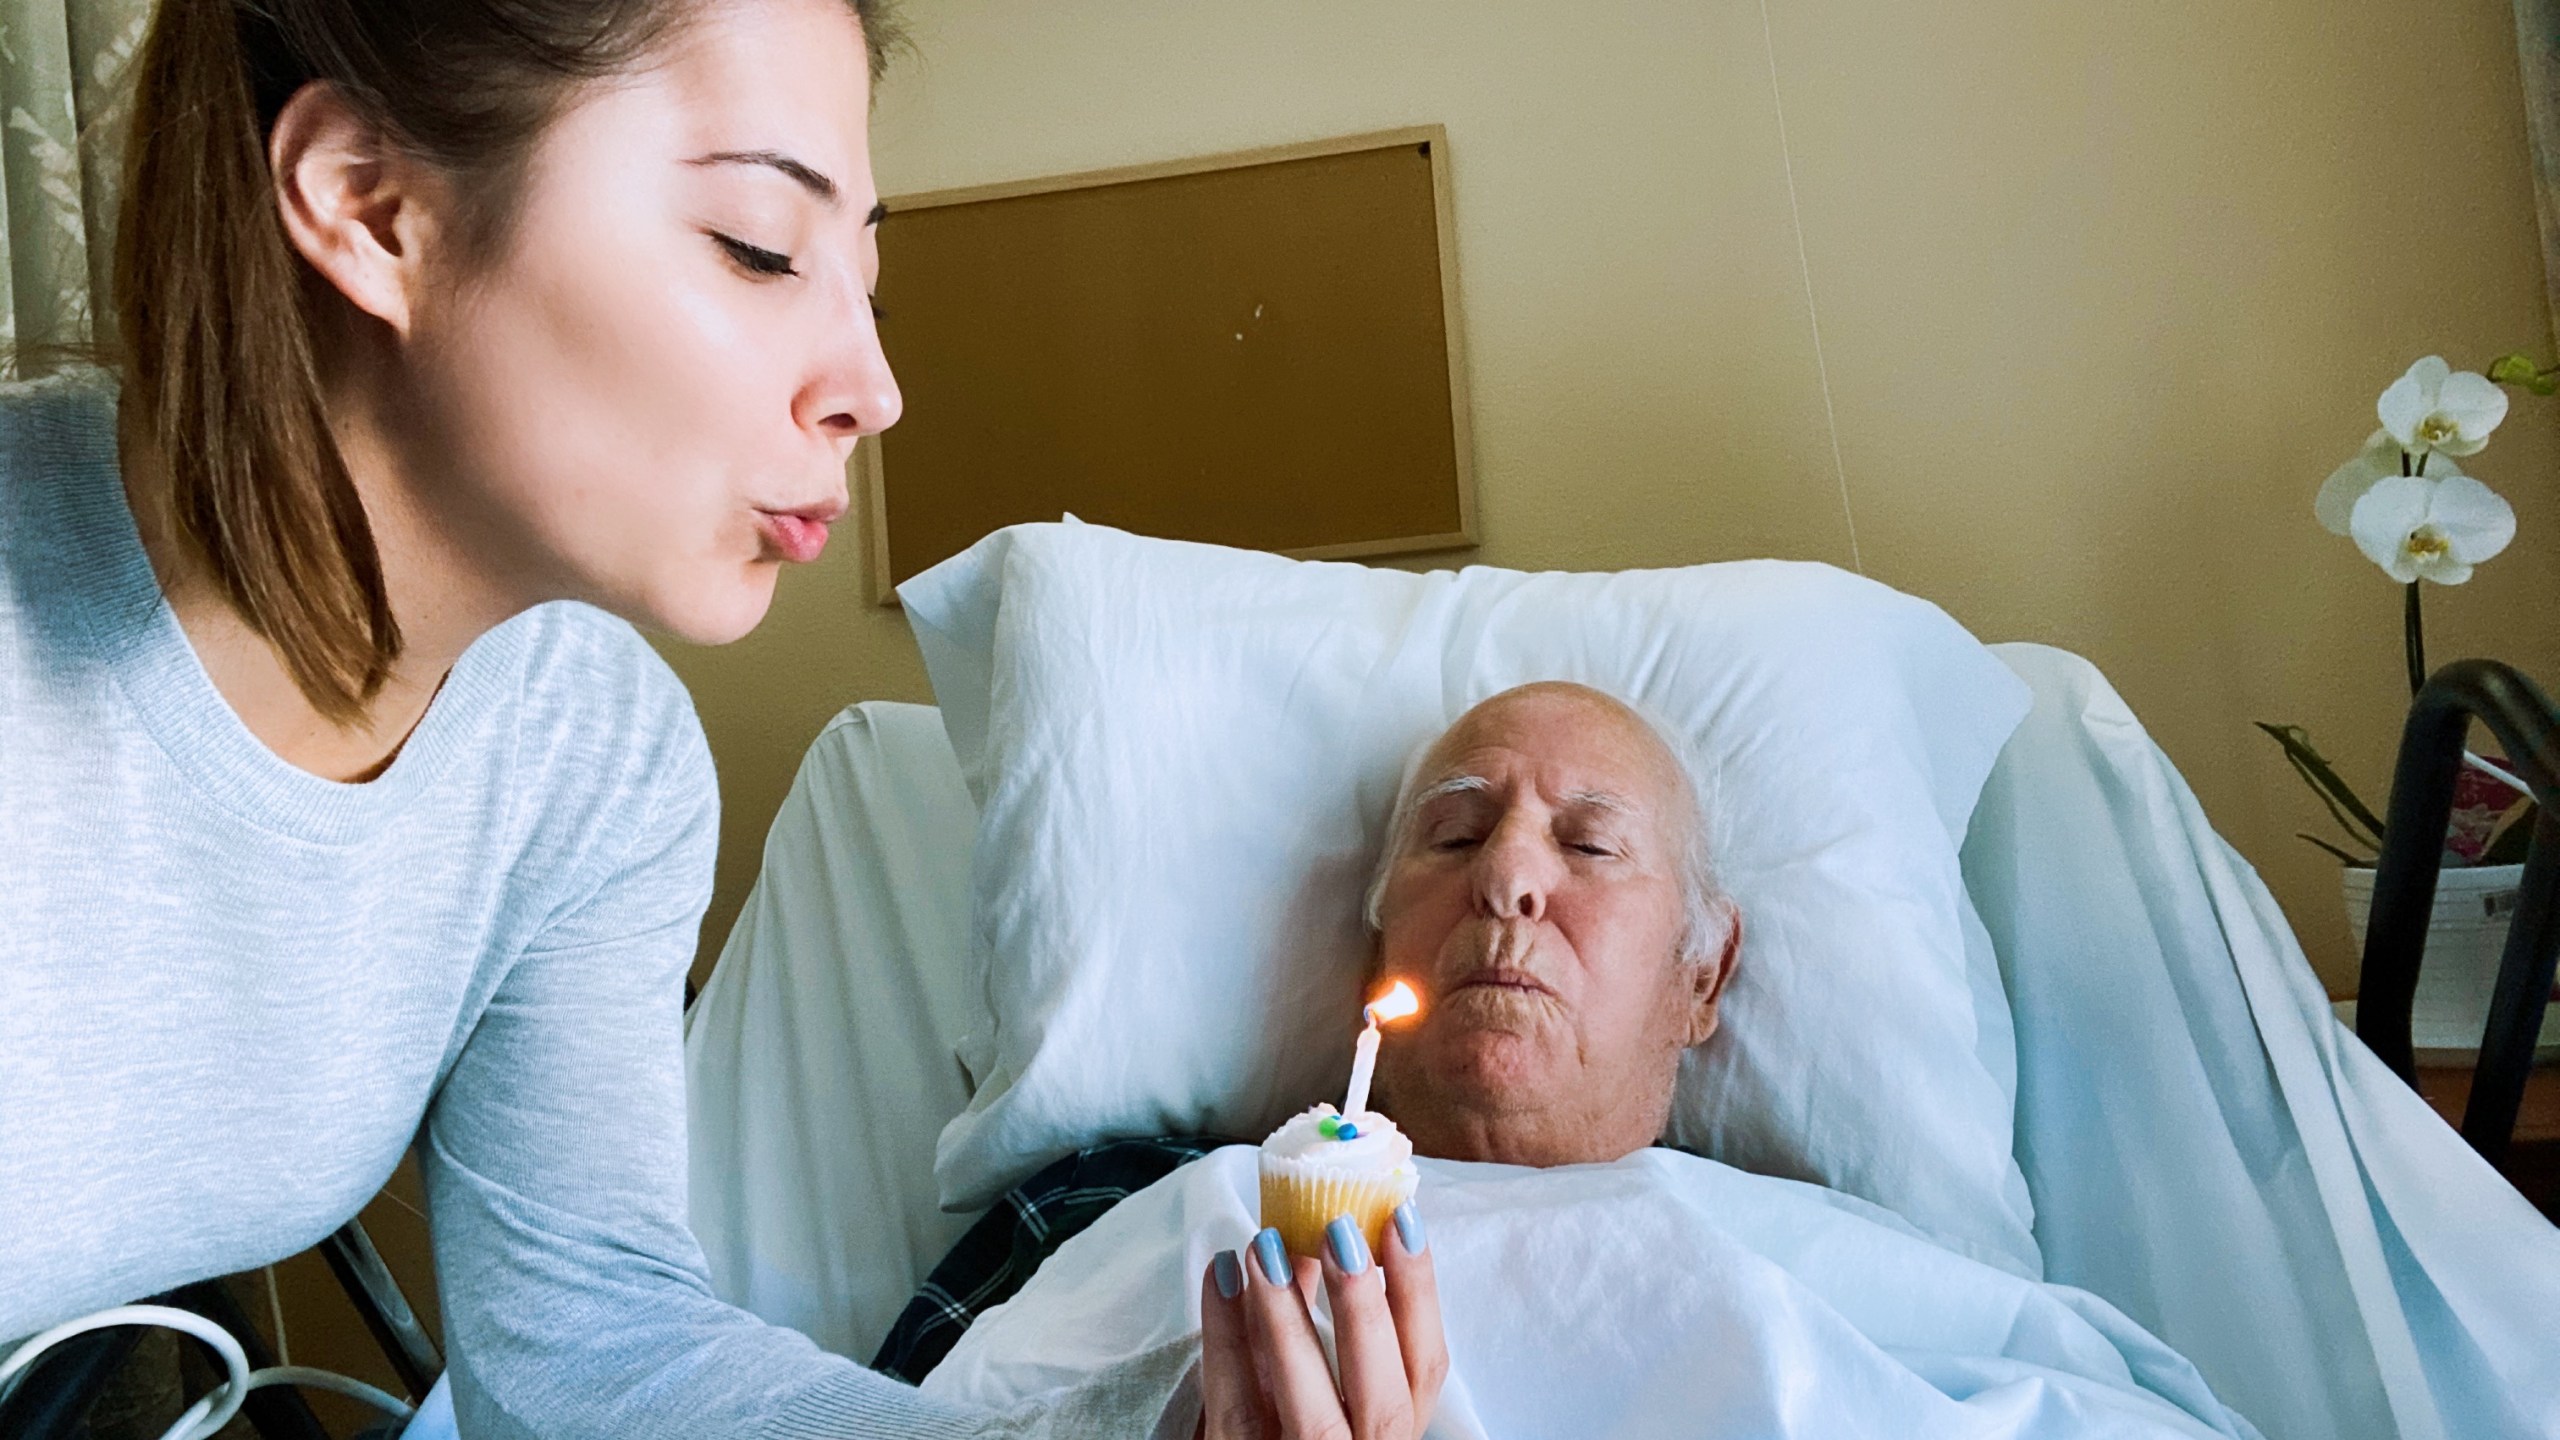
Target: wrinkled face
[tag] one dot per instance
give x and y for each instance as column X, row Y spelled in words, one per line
column 648, row 398
column 1535, row 900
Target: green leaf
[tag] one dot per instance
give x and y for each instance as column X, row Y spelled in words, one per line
column 2514, row 837
column 2342, row 855
column 2355, row 832
column 2352, row 814
column 2519, row 369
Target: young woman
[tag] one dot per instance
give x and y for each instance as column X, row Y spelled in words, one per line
column 321, row 830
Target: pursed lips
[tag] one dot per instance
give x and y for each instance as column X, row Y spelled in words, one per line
column 823, row 512
column 1519, row 980
column 799, row 535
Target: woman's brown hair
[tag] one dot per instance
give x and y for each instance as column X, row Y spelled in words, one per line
column 217, row 316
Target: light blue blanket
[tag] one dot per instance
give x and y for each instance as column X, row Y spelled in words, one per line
column 2206, row 1146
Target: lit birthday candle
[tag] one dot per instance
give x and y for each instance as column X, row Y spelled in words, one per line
column 1398, row 1002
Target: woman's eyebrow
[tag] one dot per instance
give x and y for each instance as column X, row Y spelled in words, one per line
column 810, row 180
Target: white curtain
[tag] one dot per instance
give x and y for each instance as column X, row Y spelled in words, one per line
column 62, row 99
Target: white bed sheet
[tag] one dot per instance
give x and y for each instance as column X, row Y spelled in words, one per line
column 1663, row 1297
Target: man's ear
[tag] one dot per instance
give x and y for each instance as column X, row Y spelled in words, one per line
column 1707, row 979
column 353, row 206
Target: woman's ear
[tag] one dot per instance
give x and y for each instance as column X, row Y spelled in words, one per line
column 1707, row 979
column 354, row 207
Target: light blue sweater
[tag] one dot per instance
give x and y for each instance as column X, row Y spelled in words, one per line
column 232, row 993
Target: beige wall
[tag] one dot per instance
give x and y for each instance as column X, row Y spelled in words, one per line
column 2103, row 290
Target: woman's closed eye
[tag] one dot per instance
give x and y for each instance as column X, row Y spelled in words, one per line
column 754, row 259
column 771, row 264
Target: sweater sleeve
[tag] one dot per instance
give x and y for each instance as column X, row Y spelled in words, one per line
column 576, row 1300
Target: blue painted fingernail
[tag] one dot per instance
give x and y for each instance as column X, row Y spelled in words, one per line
column 1229, row 1273
column 1274, row 1257
column 1350, row 1250
column 1409, row 1228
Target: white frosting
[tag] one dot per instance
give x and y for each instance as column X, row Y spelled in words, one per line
column 1379, row 1146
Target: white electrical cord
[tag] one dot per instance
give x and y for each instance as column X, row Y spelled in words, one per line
column 205, row 1330
column 215, row 1410
column 200, row 1422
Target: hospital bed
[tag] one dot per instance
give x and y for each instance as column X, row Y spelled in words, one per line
column 2206, row 1147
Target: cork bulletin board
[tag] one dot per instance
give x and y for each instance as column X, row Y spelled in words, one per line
column 1259, row 350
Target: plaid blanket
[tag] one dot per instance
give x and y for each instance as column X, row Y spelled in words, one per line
column 996, row 1256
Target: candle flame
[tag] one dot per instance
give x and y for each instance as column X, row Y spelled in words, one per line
column 1396, row 1003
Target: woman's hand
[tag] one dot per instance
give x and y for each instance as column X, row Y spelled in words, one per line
column 1262, row 1373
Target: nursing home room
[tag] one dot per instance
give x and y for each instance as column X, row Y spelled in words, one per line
column 1757, row 718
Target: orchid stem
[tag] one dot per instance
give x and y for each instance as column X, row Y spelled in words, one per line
column 2415, row 624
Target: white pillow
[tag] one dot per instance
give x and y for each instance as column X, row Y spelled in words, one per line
column 1183, row 757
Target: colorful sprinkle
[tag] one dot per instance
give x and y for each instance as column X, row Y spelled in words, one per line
column 1347, row 1131
column 1328, row 1126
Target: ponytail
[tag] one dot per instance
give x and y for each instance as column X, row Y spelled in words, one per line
column 218, row 360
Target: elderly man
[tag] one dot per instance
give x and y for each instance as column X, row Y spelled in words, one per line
column 1548, row 883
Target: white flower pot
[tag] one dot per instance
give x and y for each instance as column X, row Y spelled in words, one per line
column 2466, row 938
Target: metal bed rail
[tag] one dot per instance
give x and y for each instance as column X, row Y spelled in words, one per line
column 2404, row 887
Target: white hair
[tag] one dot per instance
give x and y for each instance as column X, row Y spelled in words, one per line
column 1707, row 912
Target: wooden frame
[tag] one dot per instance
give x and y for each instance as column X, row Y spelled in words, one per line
column 867, row 463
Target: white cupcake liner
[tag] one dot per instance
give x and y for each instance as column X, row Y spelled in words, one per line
column 1300, row 1197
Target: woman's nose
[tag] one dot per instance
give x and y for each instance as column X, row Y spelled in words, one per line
column 850, row 392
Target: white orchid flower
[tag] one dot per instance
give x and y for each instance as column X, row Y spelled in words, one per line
column 2423, row 528
column 2436, row 407
column 2379, row 460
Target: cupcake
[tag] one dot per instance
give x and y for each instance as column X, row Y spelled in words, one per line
column 1321, row 1164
